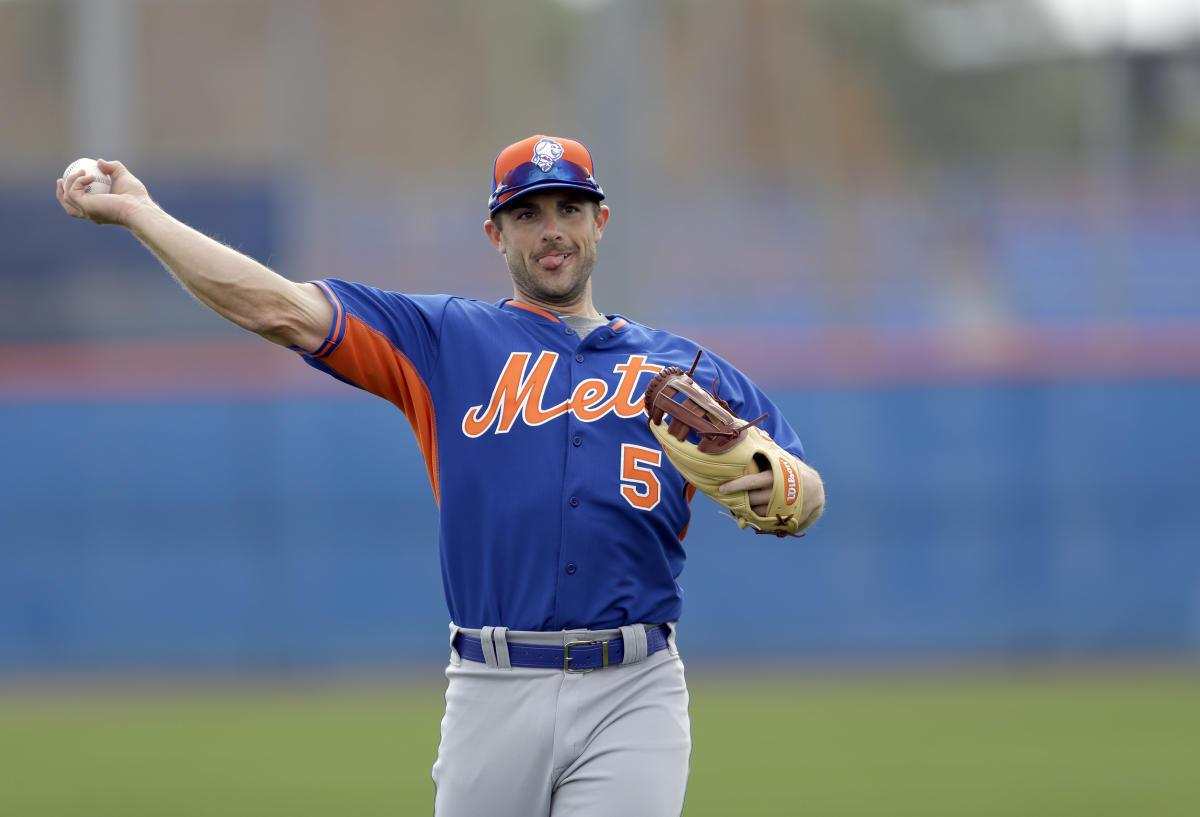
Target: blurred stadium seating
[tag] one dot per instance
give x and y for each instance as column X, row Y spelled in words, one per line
column 980, row 309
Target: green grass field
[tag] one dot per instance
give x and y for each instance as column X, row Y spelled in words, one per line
column 1031, row 744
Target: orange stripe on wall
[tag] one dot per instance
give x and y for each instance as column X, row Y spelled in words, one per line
column 774, row 358
column 873, row 356
column 368, row 359
column 161, row 370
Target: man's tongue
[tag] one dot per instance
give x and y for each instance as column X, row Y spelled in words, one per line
column 551, row 262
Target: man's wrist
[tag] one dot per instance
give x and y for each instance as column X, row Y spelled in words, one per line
column 142, row 216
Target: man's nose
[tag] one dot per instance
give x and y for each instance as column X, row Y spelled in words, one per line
column 551, row 229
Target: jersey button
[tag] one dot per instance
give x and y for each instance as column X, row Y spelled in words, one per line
column 574, row 502
column 578, row 441
column 570, row 331
column 579, row 358
column 571, row 568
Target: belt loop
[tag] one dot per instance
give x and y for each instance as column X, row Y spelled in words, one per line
column 489, row 649
column 671, row 648
column 455, row 658
column 634, row 638
column 500, row 647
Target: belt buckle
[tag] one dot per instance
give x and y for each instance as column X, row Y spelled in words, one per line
column 567, row 655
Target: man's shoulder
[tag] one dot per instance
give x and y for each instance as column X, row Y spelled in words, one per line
column 651, row 335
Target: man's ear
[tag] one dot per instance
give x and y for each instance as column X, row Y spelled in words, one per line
column 492, row 230
column 602, row 213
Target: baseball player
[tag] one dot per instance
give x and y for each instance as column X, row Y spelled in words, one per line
column 561, row 521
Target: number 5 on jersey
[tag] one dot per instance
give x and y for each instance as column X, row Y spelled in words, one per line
column 639, row 484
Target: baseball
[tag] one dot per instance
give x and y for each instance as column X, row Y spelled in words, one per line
column 102, row 184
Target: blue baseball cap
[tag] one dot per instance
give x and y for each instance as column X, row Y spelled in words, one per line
column 538, row 163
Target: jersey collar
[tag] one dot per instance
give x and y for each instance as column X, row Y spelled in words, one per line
column 509, row 303
column 615, row 322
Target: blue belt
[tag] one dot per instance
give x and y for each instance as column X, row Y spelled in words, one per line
column 575, row 656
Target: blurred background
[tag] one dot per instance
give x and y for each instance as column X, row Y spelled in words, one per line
column 957, row 241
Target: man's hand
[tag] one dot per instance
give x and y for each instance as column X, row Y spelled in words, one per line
column 760, row 486
column 115, row 207
column 734, row 462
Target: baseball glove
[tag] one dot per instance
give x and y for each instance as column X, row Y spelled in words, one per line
column 728, row 447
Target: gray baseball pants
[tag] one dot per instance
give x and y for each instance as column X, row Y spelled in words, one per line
column 519, row 742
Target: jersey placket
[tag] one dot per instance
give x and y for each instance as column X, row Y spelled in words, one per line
column 574, row 495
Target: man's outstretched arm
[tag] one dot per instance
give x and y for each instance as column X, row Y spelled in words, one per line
column 233, row 285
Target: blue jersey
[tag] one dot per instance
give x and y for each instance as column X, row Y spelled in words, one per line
column 558, row 508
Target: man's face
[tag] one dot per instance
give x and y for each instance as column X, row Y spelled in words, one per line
column 548, row 239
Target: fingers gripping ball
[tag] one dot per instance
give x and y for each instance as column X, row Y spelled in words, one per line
column 728, row 447
column 102, row 183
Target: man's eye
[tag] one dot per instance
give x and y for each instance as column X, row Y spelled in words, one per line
column 570, row 208
column 525, row 215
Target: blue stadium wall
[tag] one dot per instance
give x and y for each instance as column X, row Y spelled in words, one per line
column 1034, row 519
column 1025, row 489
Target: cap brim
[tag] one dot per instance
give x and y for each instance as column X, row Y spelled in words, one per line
column 597, row 195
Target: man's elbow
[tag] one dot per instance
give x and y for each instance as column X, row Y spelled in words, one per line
column 284, row 329
column 300, row 322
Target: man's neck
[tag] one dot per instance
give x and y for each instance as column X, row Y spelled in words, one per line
column 583, row 325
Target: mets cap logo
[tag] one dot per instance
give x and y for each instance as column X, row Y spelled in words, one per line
column 545, row 153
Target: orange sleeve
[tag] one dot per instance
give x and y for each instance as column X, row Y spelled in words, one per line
column 365, row 357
